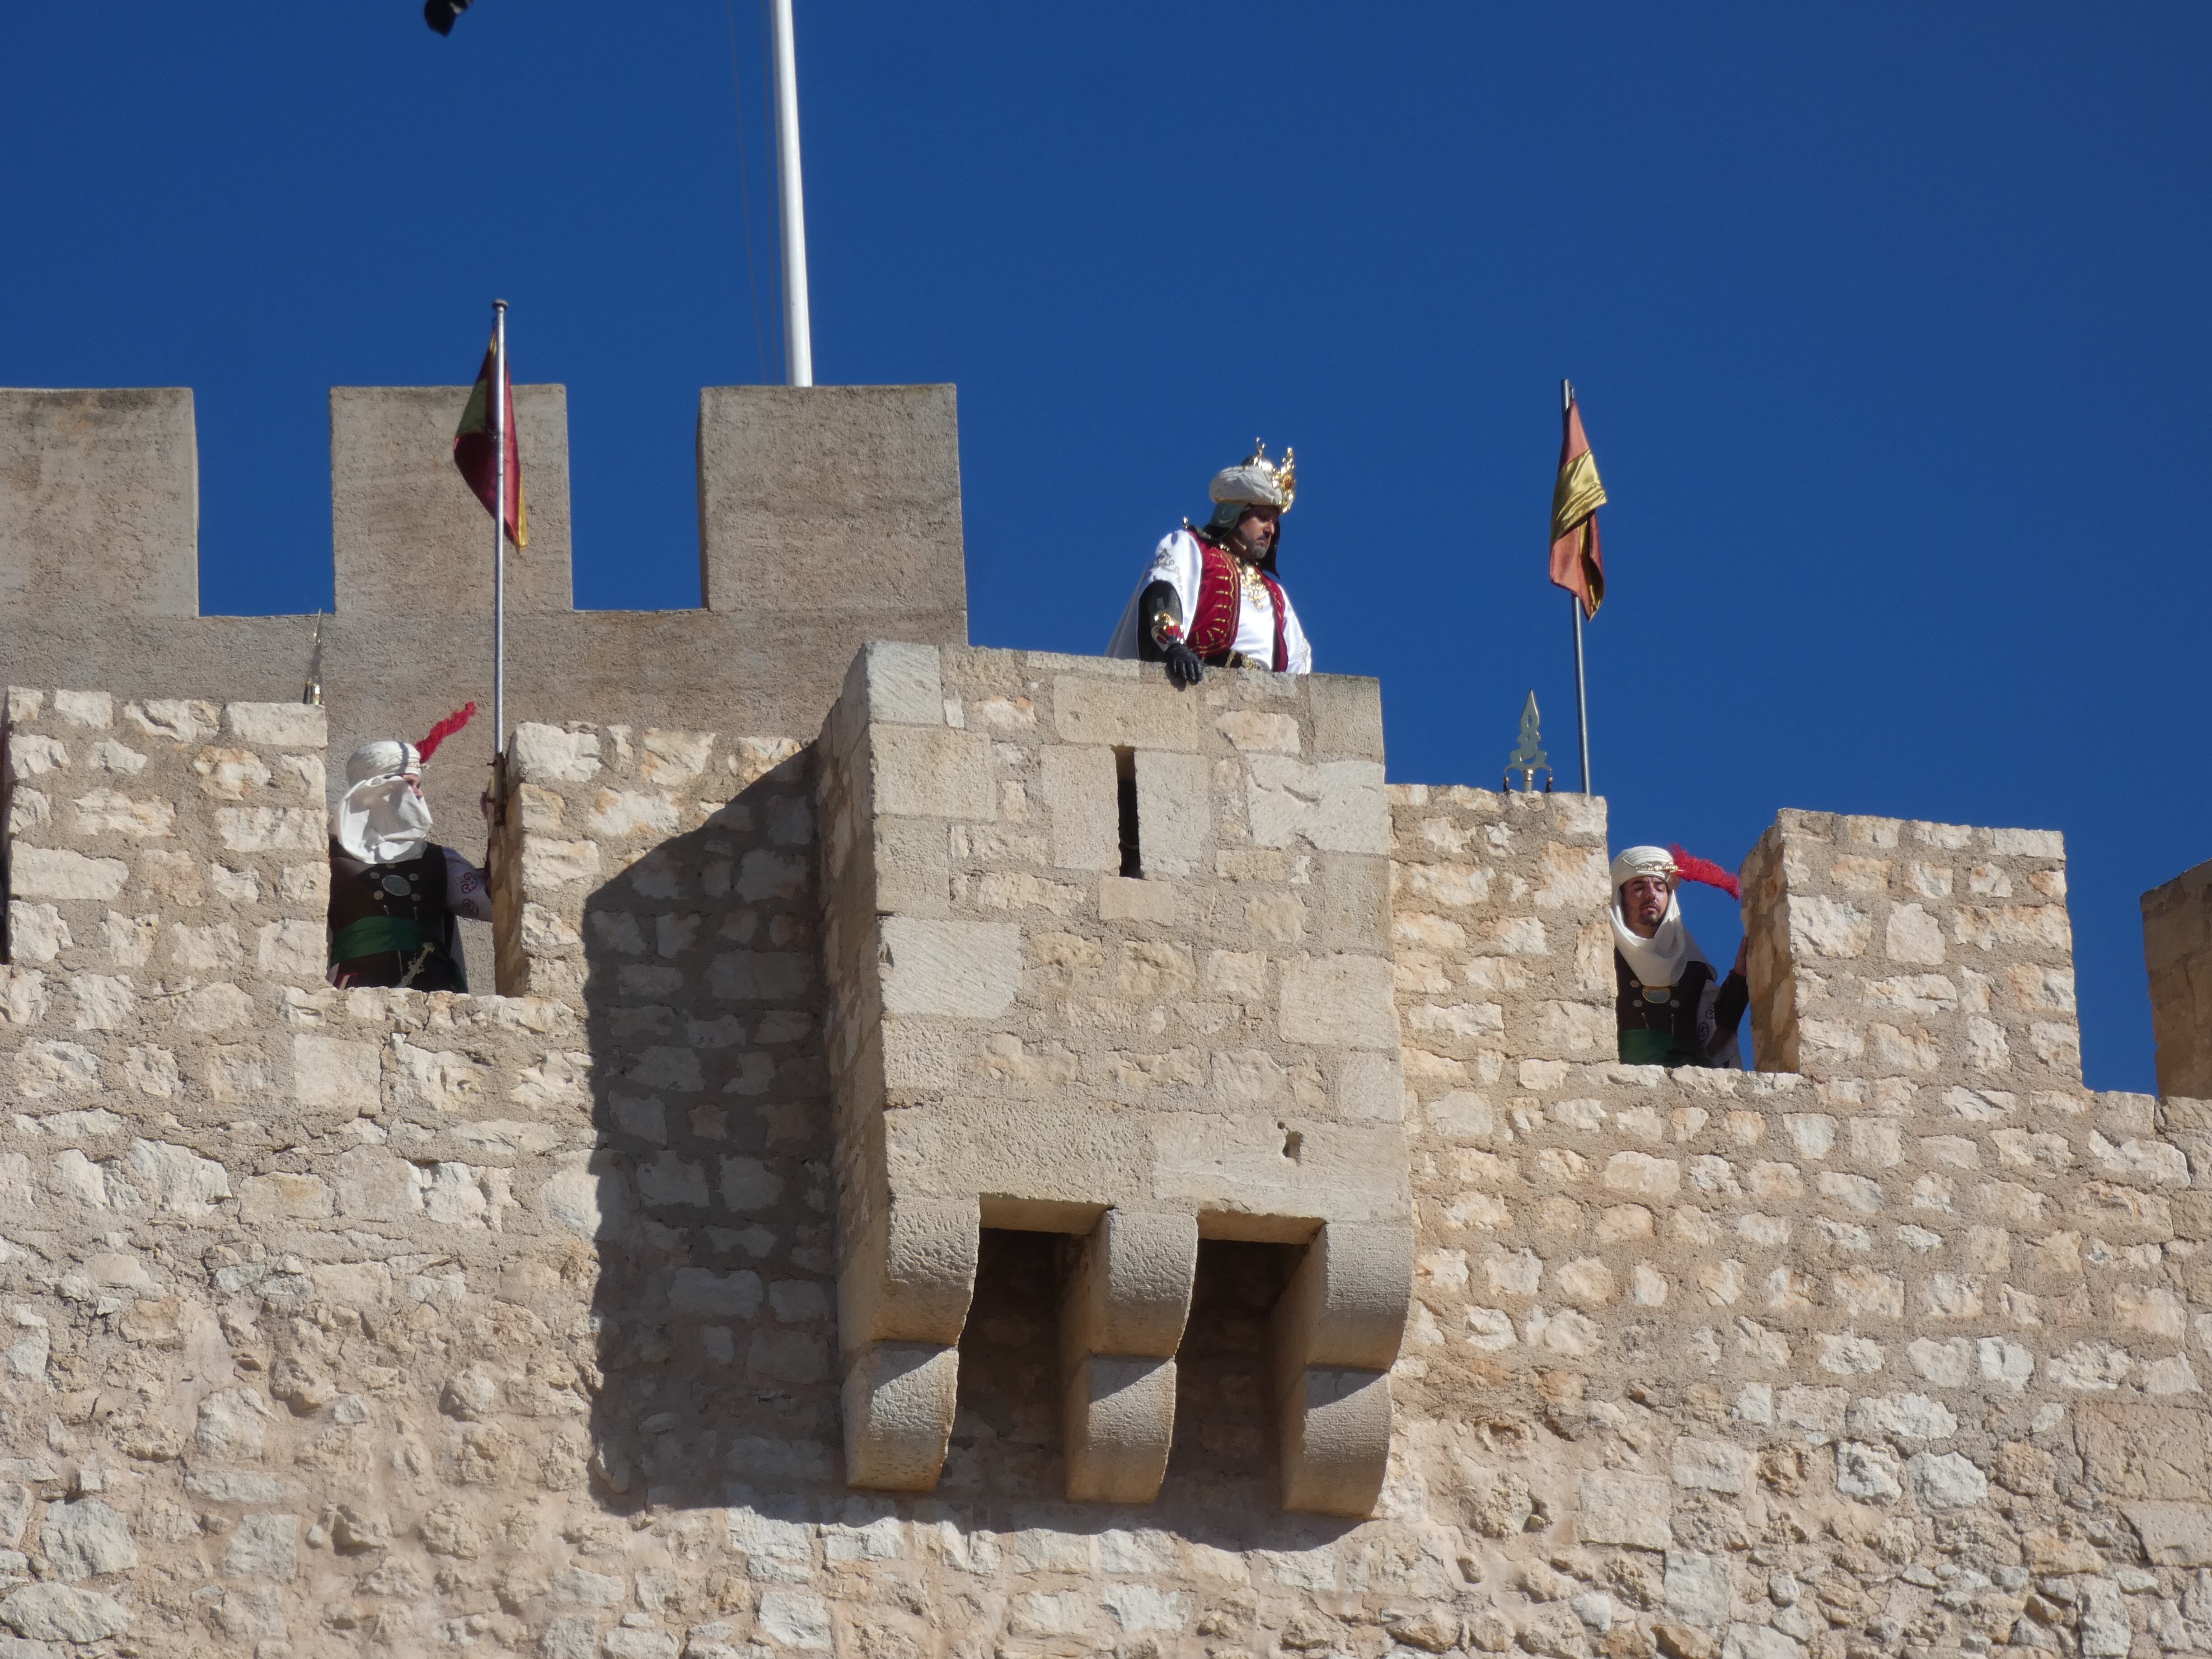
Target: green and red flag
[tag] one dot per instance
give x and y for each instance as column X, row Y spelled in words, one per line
column 472, row 447
column 1575, row 498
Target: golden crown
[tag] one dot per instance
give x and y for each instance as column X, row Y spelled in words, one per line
column 1286, row 471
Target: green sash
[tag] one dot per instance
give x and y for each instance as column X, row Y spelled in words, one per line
column 1652, row 1048
column 374, row 935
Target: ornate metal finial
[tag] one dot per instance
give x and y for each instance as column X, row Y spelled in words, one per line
column 314, row 695
column 1529, row 758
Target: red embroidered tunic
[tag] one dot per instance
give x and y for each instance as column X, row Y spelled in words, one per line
column 1221, row 603
column 1222, row 615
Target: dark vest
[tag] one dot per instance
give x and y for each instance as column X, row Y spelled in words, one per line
column 1659, row 1023
column 389, row 923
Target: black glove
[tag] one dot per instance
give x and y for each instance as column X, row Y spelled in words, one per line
column 1183, row 667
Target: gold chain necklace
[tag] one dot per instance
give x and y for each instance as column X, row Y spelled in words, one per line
column 1256, row 587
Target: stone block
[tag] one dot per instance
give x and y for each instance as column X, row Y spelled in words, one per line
column 92, row 709
column 935, row 773
column 278, row 725
column 2159, row 1452
column 1117, row 1422
column 1354, row 900
column 1139, row 714
column 1368, row 1087
column 898, row 1400
column 1341, row 1001
column 1636, row 1509
column 965, row 969
column 1082, row 793
column 1129, row 1285
column 907, row 1271
column 1261, row 731
column 913, row 866
column 1174, row 813
column 60, row 1612
column 903, row 683
column 87, row 1540
column 1334, row 1441
column 1333, row 806
column 541, row 754
column 1120, row 899
column 1347, row 717
column 1346, row 1302
column 59, row 872
column 2173, row 1534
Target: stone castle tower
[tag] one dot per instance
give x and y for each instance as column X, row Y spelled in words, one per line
column 980, row 1153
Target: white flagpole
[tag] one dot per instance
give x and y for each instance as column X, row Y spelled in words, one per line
column 1575, row 603
column 798, row 326
column 499, row 527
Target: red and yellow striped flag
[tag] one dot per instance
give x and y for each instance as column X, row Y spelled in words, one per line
column 473, row 455
column 1575, row 498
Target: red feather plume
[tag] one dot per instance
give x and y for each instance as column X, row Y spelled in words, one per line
column 444, row 729
column 1704, row 870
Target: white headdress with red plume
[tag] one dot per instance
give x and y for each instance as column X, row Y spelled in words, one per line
column 382, row 818
column 1660, row 959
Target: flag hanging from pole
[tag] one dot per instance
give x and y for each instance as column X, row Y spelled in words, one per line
column 1575, row 498
column 472, row 449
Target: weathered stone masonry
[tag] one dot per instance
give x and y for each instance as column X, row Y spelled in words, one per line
column 871, row 1223
column 389, row 1323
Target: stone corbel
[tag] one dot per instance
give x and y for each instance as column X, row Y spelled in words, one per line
column 1336, row 1335
column 903, row 1294
column 1122, row 1311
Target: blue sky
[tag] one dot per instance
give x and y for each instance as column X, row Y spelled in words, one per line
column 1889, row 324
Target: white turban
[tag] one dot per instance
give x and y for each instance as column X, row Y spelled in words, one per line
column 382, row 818
column 1659, row 960
column 1641, row 861
column 1257, row 482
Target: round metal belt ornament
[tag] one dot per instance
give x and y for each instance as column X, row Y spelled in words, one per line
column 396, row 884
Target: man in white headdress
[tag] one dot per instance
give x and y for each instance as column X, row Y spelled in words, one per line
column 396, row 896
column 1673, row 1009
column 1212, row 596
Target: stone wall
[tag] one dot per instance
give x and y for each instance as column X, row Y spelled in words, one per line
column 389, row 1323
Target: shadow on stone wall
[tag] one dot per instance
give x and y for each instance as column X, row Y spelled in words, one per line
column 715, row 1305
column 710, row 1096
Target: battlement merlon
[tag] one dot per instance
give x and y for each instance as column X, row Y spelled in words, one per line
column 2178, row 951
column 828, row 516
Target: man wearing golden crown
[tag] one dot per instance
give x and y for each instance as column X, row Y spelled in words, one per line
column 1211, row 598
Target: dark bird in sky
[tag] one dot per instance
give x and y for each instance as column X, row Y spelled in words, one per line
column 440, row 14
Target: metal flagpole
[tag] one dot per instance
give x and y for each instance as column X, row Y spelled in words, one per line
column 499, row 527
column 798, row 328
column 1574, row 602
